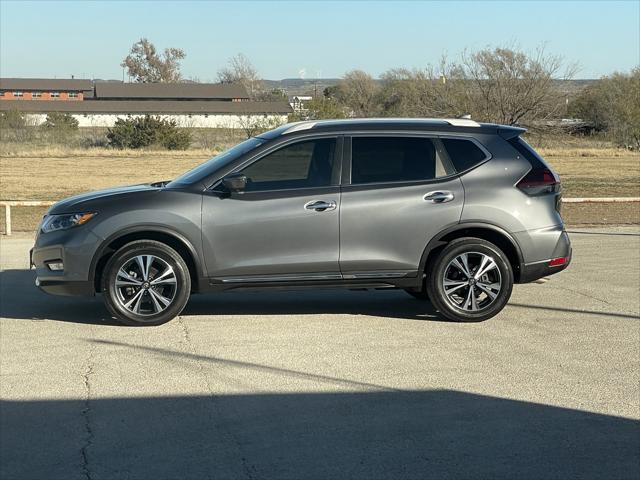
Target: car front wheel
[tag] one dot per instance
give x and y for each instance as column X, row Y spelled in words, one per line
column 470, row 281
column 146, row 283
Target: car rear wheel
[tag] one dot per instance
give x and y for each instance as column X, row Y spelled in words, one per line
column 146, row 283
column 470, row 281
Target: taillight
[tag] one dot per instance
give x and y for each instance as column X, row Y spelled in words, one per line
column 539, row 181
column 557, row 262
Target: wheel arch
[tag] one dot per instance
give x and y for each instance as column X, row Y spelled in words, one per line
column 485, row 231
column 165, row 235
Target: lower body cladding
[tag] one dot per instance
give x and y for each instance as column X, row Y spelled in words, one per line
column 546, row 251
column 63, row 267
column 354, row 281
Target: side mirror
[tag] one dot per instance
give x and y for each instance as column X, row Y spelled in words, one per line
column 236, row 182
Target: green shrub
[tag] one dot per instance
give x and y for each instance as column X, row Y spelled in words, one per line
column 141, row 132
column 320, row 109
column 176, row 139
column 133, row 132
column 15, row 127
column 12, row 119
column 61, row 122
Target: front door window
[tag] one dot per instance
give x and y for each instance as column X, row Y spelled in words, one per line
column 304, row 164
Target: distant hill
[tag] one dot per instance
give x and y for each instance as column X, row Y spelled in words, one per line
column 302, row 86
column 309, row 86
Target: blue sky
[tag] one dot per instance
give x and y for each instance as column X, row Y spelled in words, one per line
column 294, row 38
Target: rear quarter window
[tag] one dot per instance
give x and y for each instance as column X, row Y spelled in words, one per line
column 464, row 154
column 527, row 152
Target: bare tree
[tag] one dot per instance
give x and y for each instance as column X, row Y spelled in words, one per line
column 500, row 85
column 239, row 69
column 612, row 104
column 509, row 86
column 253, row 125
column 145, row 65
column 422, row 92
column 357, row 92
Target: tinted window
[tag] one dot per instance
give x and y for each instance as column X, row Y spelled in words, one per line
column 209, row 167
column 392, row 159
column 464, row 154
column 527, row 152
column 300, row 165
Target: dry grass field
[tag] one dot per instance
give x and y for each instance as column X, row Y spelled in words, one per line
column 604, row 172
column 55, row 173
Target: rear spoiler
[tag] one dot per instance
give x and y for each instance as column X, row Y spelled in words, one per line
column 510, row 132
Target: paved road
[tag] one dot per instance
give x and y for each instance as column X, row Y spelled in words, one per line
column 328, row 384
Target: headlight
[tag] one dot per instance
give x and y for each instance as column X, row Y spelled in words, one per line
column 51, row 223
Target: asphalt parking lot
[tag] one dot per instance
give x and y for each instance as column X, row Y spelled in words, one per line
column 328, row 384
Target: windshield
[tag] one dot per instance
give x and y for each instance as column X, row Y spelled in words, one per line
column 205, row 169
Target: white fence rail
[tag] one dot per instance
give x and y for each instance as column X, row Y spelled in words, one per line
column 18, row 203
column 7, row 204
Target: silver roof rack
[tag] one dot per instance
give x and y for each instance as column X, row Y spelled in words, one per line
column 297, row 126
column 456, row 122
column 461, row 122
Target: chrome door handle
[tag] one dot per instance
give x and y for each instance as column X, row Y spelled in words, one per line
column 439, row 197
column 320, row 205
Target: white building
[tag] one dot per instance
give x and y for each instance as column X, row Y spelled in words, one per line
column 196, row 105
column 297, row 102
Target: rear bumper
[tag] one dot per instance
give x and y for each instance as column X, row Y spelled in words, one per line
column 550, row 244
column 533, row 271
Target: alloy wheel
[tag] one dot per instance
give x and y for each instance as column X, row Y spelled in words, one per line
column 145, row 285
column 472, row 281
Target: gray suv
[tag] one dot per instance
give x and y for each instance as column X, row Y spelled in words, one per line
column 452, row 211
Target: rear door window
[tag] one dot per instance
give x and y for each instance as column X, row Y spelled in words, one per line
column 464, row 154
column 392, row 159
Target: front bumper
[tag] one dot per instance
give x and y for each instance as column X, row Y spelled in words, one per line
column 67, row 288
column 75, row 249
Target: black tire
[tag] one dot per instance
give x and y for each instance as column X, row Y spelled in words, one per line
column 475, row 250
column 151, row 308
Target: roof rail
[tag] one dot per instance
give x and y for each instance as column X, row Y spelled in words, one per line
column 461, row 122
column 309, row 124
column 297, row 126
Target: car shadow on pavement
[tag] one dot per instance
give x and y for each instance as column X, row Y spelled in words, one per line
column 359, row 434
column 21, row 299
